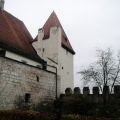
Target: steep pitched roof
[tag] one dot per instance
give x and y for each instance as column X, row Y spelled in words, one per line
column 54, row 21
column 15, row 37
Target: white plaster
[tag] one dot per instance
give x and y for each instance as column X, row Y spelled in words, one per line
column 55, row 55
column 66, row 61
column 21, row 58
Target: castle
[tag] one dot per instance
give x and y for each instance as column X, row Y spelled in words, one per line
column 33, row 70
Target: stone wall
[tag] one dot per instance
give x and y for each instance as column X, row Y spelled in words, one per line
column 22, row 84
column 96, row 97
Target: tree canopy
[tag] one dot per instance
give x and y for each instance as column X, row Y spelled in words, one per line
column 103, row 72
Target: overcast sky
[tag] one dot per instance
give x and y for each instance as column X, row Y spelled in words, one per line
column 89, row 24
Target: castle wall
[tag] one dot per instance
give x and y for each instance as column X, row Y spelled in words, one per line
column 18, row 81
column 96, row 97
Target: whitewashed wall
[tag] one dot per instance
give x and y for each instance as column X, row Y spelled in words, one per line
column 66, row 69
column 58, row 56
column 21, row 58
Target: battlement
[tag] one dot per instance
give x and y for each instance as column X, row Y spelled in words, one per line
column 95, row 96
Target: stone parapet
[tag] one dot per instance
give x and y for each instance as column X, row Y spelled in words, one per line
column 96, row 96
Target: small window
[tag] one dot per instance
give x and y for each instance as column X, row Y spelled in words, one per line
column 44, row 66
column 65, row 39
column 37, row 78
column 27, row 98
column 62, row 67
column 43, row 50
column 2, row 53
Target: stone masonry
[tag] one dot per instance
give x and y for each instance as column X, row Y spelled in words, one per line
column 96, row 97
column 18, row 80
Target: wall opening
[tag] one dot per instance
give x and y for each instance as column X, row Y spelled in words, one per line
column 37, row 78
column 2, row 53
column 65, row 39
column 43, row 50
column 27, row 97
column 44, row 66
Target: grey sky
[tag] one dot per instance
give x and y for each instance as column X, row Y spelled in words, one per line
column 89, row 24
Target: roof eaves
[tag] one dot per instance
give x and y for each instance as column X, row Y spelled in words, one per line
column 21, row 52
column 65, row 47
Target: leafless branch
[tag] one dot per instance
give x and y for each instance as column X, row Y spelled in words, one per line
column 105, row 71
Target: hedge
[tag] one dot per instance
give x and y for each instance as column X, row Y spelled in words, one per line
column 33, row 115
column 24, row 115
column 78, row 117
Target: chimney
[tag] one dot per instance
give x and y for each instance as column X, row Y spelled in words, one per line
column 2, row 5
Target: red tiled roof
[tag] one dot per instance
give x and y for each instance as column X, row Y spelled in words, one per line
column 54, row 21
column 14, row 34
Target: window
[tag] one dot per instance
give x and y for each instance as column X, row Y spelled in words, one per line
column 44, row 66
column 43, row 50
column 27, row 98
column 65, row 39
column 37, row 78
column 2, row 53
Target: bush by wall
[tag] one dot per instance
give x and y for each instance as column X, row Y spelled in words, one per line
column 24, row 115
column 78, row 117
column 78, row 104
column 33, row 115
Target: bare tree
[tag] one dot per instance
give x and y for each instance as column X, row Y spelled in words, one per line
column 105, row 71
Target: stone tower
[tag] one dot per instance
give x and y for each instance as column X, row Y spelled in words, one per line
column 53, row 45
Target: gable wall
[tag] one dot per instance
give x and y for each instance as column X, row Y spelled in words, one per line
column 49, row 45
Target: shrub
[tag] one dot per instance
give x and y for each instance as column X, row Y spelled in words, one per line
column 77, row 117
column 24, row 115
